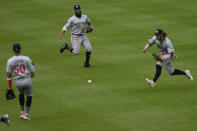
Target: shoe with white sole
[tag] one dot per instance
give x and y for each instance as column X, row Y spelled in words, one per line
column 22, row 114
column 64, row 46
column 5, row 119
column 26, row 117
column 188, row 74
column 150, row 82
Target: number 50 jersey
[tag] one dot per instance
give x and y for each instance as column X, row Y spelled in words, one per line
column 20, row 66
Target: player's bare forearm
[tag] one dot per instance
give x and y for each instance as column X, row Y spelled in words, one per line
column 148, row 45
column 90, row 24
column 9, row 74
column 61, row 34
column 171, row 55
column 168, row 56
column 32, row 74
column 89, row 28
column 9, row 78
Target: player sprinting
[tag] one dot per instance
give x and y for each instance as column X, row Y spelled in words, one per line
column 167, row 56
column 22, row 69
column 5, row 119
column 77, row 22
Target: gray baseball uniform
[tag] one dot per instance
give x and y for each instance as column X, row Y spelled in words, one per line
column 78, row 36
column 21, row 68
column 165, row 48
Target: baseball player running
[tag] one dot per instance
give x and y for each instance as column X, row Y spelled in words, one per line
column 167, row 56
column 77, row 22
column 22, row 69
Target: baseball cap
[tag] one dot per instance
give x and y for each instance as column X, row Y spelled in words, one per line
column 159, row 32
column 16, row 47
column 77, row 7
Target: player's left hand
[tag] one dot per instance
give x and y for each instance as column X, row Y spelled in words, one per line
column 89, row 29
column 158, row 58
column 10, row 94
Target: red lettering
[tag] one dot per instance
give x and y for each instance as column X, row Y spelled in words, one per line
column 20, row 69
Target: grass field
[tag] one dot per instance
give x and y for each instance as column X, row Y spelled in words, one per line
column 118, row 99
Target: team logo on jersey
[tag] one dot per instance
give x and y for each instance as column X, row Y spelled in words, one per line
column 79, row 27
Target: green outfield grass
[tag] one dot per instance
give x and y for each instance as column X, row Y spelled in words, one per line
column 118, row 99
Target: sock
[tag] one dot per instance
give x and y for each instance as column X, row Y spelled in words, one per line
column 178, row 72
column 28, row 103
column 22, row 101
column 88, row 54
column 157, row 73
column 69, row 48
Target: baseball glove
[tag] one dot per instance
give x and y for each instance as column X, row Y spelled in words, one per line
column 89, row 29
column 157, row 58
column 10, row 94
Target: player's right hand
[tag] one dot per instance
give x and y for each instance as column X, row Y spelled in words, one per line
column 144, row 50
column 61, row 37
column 61, row 34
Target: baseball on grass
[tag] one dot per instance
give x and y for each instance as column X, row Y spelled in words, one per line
column 89, row 81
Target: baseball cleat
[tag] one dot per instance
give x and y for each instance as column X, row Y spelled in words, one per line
column 87, row 65
column 150, row 82
column 188, row 74
column 5, row 119
column 64, row 46
column 22, row 114
column 26, row 117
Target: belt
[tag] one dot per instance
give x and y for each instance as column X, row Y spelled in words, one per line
column 78, row 34
column 163, row 52
column 20, row 78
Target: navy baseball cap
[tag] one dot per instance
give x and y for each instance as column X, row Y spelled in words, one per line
column 16, row 47
column 159, row 32
column 77, row 7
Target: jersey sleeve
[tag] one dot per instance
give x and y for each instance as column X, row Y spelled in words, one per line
column 150, row 42
column 67, row 25
column 87, row 20
column 31, row 65
column 170, row 48
column 8, row 67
